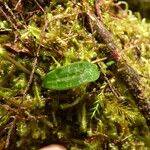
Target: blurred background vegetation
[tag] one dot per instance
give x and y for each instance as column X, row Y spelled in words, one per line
column 142, row 6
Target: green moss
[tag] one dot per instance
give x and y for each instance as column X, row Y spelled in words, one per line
column 93, row 116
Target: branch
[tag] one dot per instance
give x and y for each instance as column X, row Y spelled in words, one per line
column 122, row 69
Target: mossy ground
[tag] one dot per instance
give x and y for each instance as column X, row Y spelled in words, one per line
column 39, row 37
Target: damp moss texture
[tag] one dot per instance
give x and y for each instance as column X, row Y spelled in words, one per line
column 38, row 36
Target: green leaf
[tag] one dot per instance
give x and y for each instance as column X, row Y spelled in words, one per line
column 71, row 76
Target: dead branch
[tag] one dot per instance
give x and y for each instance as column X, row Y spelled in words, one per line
column 122, row 69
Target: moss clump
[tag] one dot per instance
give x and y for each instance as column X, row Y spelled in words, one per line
column 47, row 35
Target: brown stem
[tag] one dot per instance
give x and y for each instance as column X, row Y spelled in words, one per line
column 122, row 70
column 17, row 64
column 97, row 9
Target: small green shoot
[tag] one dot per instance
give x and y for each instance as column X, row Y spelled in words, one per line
column 110, row 63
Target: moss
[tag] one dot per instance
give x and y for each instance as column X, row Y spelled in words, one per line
column 55, row 37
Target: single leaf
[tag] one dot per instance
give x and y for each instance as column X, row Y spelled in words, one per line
column 71, row 76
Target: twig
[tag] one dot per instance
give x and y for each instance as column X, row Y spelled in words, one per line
column 99, row 60
column 147, row 77
column 18, row 4
column 109, row 84
column 10, row 132
column 17, row 64
column 31, row 75
column 97, row 9
column 10, row 11
column 39, row 6
column 8, row 108
column 9, row 20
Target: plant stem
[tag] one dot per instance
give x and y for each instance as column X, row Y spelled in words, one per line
column 19, row 65
column 83, row 120
column 77, row 101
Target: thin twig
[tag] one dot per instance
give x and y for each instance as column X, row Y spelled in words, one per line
column 10, row 11
column 31, row 75
column 17, row 64
column 10, row 132
column 39, row 6
column 18, row 4
column 144, row 76
column 117, row 95
column 97, row 9
column 9, row 20
column 99, row 60
column 8, row 108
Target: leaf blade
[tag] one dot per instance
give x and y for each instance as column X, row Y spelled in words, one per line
column 71, row 76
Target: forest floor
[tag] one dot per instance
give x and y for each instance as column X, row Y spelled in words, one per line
column 75, row 73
